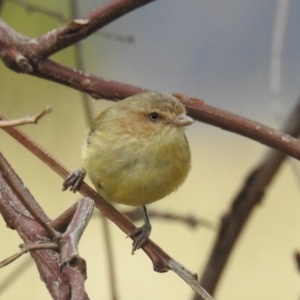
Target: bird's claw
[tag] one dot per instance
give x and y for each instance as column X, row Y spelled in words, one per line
column 74, row 180
column 142, row 234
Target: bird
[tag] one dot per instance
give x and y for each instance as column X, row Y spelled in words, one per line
column 136, row 153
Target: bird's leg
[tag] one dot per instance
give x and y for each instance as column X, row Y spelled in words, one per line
column 74, row 180
column 142, row 233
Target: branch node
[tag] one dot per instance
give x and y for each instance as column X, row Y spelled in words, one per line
column 23, row 63
column 81, row 21
column 72, row 29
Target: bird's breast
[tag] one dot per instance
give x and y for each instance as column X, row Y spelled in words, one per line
column 138, row 172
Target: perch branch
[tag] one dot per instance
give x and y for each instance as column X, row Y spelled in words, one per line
column 98, row 87
column 22, row 55
column 160, row 259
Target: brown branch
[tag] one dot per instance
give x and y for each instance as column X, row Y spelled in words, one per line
column 95, row 86
column 297, row 260
column 22, row 55
column 22, row 52
column 27, row 200
column 63, row 19
column 242, row 126
column 98, row 87
column 73, row 275
column 250, row 195
column 20, row 211
column 108, row 89
column 162, row 262
column 70, row 238
column 18, row 218
column 81, row 28
column 158, row 257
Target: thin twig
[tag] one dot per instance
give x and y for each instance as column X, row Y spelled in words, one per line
column 39, row 9
column 24, row 249
column 27, row 120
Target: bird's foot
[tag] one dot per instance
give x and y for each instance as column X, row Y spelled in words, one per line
column 142, row 234
column 74, row 180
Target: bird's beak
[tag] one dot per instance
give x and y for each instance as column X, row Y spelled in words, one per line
column 183, row 120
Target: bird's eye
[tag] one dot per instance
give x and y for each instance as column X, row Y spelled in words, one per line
column 154, row 116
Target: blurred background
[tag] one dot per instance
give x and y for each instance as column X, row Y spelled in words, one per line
column 241, row 56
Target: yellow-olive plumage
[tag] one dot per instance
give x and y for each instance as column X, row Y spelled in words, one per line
column 136, row 152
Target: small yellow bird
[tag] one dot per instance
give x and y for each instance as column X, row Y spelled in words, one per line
column 137, row 153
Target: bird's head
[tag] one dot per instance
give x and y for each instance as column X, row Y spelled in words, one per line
column 151, row 114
